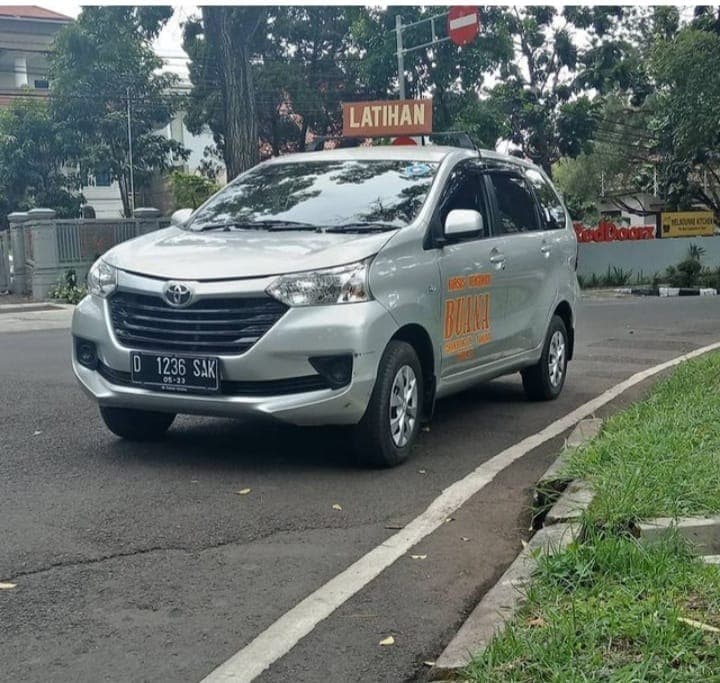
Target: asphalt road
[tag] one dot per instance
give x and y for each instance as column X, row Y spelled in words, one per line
column 141, row 562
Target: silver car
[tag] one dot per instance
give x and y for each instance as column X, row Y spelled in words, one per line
column 345, row 287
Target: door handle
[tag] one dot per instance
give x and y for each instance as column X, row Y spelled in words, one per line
column 546, row 249
column 498, row 260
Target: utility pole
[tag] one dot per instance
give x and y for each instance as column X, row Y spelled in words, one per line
column 130, row 154
column 401, row 50
column 400, row 55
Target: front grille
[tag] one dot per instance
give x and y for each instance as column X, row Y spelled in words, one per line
column 275, row 387
column 230, row 325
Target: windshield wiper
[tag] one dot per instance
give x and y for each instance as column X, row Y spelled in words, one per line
column 361, row 227
column 260, row 225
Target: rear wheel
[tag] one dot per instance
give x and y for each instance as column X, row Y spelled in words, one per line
column 544, row 380
column 136, row 425
column 387, row 431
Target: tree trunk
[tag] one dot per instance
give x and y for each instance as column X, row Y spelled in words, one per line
column 230, row 30
column 303, row 134
column 123, row 184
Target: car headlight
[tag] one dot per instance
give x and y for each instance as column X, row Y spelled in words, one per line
column 341, row 285
column 102, row 279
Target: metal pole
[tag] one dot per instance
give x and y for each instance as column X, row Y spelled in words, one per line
column 400, row 58
column 130, row 153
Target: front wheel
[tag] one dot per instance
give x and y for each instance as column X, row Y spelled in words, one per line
column 136, row 425
column 544, row 380
column 387, row 431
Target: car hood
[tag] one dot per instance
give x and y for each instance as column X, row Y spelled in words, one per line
column 178, row 254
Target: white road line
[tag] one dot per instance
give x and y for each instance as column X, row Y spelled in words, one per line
column 279, row 638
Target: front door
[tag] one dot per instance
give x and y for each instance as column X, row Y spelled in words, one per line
column 472, row 270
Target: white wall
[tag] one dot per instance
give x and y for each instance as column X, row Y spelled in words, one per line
column 646, row 256
column 105, row 200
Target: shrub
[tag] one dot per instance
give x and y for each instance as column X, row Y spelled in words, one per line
column 616, row 277
column 685, row 274
column 191, row 190
column 67, row 289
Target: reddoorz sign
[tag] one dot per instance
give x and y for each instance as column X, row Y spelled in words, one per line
column 609, row 232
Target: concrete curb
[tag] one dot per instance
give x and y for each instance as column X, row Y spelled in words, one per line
column 571, row 504
column 585, row 430
column 703, row 533
column 567, row 499
column 667, row 291
column 21, row 318
column 504, row 599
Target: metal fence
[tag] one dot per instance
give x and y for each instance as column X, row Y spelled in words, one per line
column 5, row 274
column 45, row 248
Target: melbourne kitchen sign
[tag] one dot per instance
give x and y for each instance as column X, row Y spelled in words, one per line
column 387, row 117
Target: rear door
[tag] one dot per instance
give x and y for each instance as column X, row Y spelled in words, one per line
column 558, row 246
column 530, row 289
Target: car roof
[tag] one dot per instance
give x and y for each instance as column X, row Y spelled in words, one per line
column 419, row 153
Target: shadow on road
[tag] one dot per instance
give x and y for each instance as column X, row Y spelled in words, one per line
column 218, row 443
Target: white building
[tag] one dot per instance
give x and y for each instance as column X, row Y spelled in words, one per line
column 26, row 37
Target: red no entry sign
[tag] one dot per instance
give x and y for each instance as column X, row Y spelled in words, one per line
column 463, row 24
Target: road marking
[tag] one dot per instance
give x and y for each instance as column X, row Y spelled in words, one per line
column 279, row 638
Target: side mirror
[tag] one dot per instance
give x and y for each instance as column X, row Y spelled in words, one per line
column 464, row 223
column 180, row 217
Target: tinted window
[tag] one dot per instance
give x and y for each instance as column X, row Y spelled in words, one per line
column 463, row 191
column 515, row 203
column 325, row 193
column 553, row 211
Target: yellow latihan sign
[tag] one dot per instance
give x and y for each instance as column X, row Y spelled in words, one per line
column 688, row 224
column 387, row 117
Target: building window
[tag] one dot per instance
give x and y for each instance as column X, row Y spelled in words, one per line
column 102, row 178
column 42, row 84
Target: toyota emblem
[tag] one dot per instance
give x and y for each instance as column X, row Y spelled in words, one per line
column 177, row 294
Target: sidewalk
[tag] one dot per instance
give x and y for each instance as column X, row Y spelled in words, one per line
column 27, row 316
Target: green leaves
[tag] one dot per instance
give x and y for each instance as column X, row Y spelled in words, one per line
column 32, row 153
column 191, row 190
column 100, row 62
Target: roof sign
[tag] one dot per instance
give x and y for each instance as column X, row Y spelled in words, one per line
column 387, row 117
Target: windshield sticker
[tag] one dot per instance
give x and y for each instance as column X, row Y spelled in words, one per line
column 467, row 317
column 417, row 171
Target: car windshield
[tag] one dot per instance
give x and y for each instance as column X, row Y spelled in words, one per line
column 333, row 194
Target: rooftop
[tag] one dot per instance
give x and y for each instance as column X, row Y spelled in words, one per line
column 32, row 12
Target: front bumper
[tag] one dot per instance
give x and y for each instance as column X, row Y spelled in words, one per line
column 362, row 330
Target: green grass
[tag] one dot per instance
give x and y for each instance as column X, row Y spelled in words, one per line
column 661, row 457
column 608, row 608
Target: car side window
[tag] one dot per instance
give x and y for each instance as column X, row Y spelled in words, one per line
column 464, row 191
column 515, row 204
column 552, row 208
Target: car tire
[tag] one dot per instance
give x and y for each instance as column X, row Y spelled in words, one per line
column 544, row 380
column 136, row 425
column 386, row 434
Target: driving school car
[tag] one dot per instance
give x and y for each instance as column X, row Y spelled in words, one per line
column 343, row 287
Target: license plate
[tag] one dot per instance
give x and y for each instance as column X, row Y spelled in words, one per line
column 169, row 372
